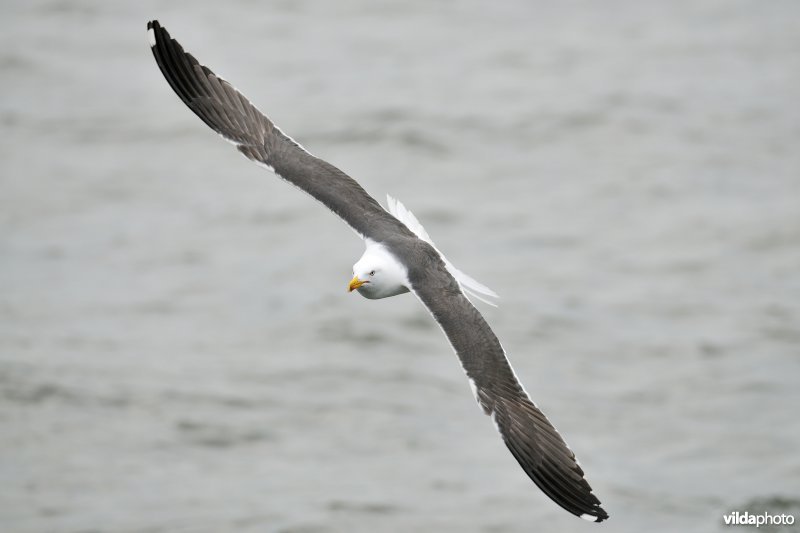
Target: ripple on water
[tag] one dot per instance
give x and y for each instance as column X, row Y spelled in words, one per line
column 350, row 506
column 213, row 435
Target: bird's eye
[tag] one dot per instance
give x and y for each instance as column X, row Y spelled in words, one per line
column 372, row 273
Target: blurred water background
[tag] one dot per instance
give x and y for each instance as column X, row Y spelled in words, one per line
column 177, row 349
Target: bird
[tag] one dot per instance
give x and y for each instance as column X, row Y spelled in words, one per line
column 399, row 257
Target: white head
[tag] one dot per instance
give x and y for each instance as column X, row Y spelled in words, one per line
column 378, row 274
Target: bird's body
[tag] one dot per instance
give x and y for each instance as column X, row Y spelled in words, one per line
column 399, row 257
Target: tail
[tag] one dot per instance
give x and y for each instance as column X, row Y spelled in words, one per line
column 469, row 285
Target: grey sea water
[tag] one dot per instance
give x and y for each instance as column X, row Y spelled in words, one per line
column 178, row 352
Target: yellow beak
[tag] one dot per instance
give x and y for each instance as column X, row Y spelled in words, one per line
column 355, row 283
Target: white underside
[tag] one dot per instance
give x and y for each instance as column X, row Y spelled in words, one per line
column 469, row 285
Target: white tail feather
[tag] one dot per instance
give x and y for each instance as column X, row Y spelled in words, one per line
column 468, row 284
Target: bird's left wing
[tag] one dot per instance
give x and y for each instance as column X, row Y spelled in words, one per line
column 231, row 115
column 533, row 441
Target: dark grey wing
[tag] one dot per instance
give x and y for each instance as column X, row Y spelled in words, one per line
column 532, row 439
column 230, row 114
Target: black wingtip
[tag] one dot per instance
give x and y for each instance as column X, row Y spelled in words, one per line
column 152, row 32
column 596, row 515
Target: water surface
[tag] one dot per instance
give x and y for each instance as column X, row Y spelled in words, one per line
column 177, row 349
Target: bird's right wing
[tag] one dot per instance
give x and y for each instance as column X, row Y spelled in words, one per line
column 230, row 114
column 528, row 434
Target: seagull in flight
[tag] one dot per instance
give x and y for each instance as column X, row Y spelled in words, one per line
column 400, row 257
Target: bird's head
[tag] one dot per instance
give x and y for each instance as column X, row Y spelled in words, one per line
column 378, row 275
column 367, row 278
